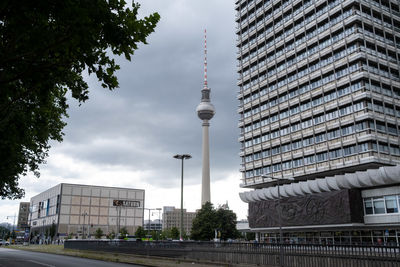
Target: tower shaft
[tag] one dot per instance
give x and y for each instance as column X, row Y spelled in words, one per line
column 205, row 112
column 205, row 180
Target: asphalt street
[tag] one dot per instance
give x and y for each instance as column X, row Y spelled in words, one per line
column 20, row 258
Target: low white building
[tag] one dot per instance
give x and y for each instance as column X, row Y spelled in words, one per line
column 79, row 210
column 153, row 225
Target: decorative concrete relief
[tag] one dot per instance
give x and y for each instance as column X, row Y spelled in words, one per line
column 315, row 209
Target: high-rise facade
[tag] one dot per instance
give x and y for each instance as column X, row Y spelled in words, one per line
column 23, row 215
column 319, row 99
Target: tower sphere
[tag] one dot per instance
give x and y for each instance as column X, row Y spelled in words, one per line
column 205, row 110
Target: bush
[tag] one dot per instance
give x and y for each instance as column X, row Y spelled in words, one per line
column 99, row 233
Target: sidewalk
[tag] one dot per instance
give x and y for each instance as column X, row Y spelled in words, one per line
column 118, row 257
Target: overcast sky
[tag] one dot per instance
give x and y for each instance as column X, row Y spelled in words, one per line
column 126, row 138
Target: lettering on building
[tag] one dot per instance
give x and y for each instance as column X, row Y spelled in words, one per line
column 126, row 203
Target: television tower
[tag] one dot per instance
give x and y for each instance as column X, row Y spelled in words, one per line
column 205, row 111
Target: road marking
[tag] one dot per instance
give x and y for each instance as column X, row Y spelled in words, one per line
column 43, row 264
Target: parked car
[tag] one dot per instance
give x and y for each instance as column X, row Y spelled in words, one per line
column 4, row 242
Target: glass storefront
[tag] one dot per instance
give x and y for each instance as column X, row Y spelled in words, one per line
column 388, row 237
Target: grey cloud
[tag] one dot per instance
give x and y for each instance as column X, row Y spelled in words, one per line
column 152, row 115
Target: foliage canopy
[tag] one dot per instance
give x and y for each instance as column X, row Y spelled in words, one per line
column 53, row 230
column 99, row 233
column 44, row 48
column 174, row 233
column 208, row 220
column 123, row 232
column 140, row 232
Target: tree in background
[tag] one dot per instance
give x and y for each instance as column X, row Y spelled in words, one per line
column 4, row 231
column 70, row 235
column 185, row 236
column 140, row 232
column 165, row 234
column 13, row 235
column 47, row 233
column 174, row 233
column 226, row 223
column 155, row 235
column 123, row 232
column 249, row 236
column 45, row 47
column 208, row 220
column 204, row 224
column 99, row 233
column 53, row 231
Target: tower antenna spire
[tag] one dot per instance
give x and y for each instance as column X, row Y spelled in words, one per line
column 205, row 59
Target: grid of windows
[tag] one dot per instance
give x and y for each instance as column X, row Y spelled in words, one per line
column 319, row 157
column 317, row 86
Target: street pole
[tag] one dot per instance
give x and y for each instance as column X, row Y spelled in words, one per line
column 182, row 158
column 280, row 225
column 13, row 227
column 119, row 208
column 83, row 226
column 279, row 212
column 279, row 216
column 149, row 224
column 88, row 227
column 181, row 235
column 158, row 231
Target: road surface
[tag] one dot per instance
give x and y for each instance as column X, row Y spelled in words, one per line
column 21, row 258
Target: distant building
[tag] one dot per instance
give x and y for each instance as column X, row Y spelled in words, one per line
column 243, row 226
column 154, row 225
column 79, row 210
column 23, row 215
column 172, row 218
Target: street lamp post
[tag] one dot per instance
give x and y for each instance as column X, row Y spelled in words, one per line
column 149, row 224
column 13, row 227
column 159, row 221
column 279, row 213
column 182, row 158
column 83, row 226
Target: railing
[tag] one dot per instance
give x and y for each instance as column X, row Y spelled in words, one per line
column 294, row 255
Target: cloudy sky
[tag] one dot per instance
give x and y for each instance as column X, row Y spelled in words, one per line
column 126, row 138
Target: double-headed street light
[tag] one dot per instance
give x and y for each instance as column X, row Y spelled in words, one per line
column 149, row 224
column 182, row 157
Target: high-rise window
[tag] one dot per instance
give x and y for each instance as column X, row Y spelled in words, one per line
column 317, row 85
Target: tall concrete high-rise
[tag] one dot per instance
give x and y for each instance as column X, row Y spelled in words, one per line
column 320, row 102
column 23, row 215
column 205, row 111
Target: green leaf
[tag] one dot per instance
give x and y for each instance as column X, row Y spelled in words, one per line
column 44, row 48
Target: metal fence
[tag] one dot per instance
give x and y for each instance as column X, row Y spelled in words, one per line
column 293, row 255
